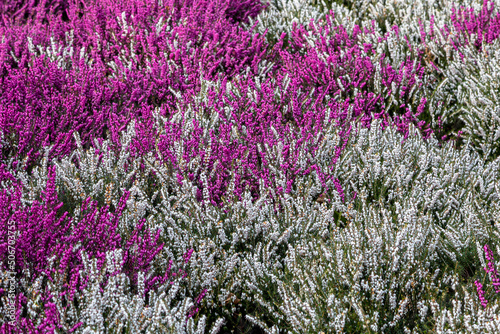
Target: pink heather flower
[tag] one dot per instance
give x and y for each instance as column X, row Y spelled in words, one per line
column 480, row 293
column 491, row 269
column 483, row 25
column 339, row 189
column 187, row 256
column 197, row 302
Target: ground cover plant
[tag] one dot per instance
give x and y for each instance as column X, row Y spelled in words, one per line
column 249, row 166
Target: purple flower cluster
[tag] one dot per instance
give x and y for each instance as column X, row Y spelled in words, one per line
column 491, row 269
column 44, row 101
column 493, row 274
column 483, row 25
column 480, row 293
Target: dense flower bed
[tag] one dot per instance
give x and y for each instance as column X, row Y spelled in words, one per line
column 290, row 166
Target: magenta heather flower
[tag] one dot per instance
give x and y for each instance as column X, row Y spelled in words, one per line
column 491, row 269
column 51, row 242
column 480, row 293
column 484, row 25
column 43, row 102
column 195, row 309
column 338, row 186
column 187, row 256
column 493, row 274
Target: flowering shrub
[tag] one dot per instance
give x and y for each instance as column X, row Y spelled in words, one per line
column 299, row 166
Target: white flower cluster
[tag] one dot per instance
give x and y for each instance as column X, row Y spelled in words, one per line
column 108, row 305
column 466, row 315
column 477, row 95
column 417, row 204
column 280, row 16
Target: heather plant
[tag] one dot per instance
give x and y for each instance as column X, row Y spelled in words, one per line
column 476, row 95
column 429, row 32
column 471, row 314
column 108, row 302
column 109, row 120
column 243, row 246
column 452, row 234
column 442, row 33
column 332, row 281
column 393, row 87
column 77, row 104
column 92, row 232
column 295, row 101
column 280, row 16
column 225, row 166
